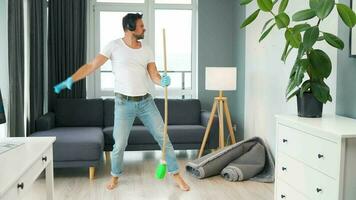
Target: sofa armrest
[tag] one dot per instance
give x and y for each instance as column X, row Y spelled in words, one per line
column 213, row 139
column 45, row 122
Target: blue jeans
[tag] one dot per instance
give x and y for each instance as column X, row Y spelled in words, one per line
column 125, row 114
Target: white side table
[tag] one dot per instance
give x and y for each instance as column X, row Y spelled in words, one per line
column 21, row 166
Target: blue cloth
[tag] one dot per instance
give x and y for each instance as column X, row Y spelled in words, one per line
column 165, row 80
column 125, row 114
column 64, row 84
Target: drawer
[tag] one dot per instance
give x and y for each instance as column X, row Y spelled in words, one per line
column 30, row 176
column 10, row 195
column 306, row 180
column 316, row 152
column 285, row 192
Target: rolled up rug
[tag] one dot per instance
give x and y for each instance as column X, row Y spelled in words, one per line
column 246, row 166
column 213, row 163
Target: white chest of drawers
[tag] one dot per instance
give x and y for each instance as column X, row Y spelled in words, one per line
column 20, row 167
column 315, row 158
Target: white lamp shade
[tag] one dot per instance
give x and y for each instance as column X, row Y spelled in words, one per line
column 220, row 78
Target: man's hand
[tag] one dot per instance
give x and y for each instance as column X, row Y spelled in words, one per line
column 165, row 80
column 65, row 84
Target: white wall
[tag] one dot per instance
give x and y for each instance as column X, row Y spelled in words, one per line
column 266, row 76
column 4, row 73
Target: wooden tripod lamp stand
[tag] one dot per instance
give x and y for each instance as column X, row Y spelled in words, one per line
column 220, row 79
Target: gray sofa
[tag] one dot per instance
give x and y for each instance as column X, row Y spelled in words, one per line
column 83, row 128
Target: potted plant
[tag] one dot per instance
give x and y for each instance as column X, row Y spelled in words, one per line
column 311, row 91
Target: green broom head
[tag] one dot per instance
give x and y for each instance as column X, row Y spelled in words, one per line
column 161, row 170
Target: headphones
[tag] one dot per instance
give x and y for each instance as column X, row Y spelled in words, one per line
column 131, row 26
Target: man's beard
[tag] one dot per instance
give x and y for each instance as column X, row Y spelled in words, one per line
column 139, row 37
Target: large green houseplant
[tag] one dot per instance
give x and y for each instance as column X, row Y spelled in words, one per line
column 303, row 36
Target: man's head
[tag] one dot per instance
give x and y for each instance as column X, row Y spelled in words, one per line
column 132, row 22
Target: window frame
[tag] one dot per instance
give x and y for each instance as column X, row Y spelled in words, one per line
column 148, row 10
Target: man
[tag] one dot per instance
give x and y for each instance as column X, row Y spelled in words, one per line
column 134, row 69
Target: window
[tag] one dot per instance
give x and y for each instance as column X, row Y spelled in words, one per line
column 178, row 45
column 176, row 16
column 110, row 29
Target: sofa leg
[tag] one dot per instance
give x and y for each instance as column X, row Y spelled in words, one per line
column 91, row 173
column 107, row 155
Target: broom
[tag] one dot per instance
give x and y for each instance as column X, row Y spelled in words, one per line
column 161, row 169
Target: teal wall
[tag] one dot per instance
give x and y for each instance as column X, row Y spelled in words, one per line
column 221, row 43
column 239, row 60
column 346, row 75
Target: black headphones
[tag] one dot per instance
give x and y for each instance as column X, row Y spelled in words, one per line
column 131, row 26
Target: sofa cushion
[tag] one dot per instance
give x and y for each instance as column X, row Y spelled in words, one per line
column 178, row 134
column 182, row 134
column 79, row 112
column 109, row 105
column 181, row 111
column 75, row 143
column 109, row 108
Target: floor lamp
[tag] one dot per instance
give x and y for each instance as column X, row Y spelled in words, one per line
column 219, row 79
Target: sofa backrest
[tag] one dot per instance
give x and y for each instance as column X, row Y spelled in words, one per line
column 180, row 111
column 79, row 112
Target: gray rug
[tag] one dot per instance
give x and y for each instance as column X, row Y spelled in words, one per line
column 246, row 160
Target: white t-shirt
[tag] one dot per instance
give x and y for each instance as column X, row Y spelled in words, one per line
column 130, row 68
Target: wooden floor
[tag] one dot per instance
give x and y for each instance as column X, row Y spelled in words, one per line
column 138, row 182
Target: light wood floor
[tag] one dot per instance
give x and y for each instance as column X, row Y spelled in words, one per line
column 138, row 182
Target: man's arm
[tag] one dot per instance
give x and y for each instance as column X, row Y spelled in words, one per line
column 154, row 74
column 88, row 68
column 81, row 73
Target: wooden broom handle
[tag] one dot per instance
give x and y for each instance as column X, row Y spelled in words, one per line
column 164, row 51
column 165, row 99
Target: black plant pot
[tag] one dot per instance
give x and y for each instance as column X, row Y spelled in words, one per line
column 309, row 106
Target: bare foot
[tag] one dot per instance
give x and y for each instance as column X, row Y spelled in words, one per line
column 181, row 183
column 112, row 183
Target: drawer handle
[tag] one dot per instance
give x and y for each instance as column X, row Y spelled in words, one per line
column 320, row 156
column 283, row 196
column 284, row 168
column 318, row 190
column 44, row 158
column 285, row 140
column 20, row 185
